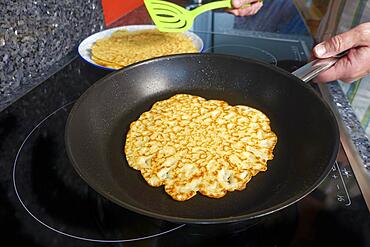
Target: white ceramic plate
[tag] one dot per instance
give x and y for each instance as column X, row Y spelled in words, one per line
column 84, row 49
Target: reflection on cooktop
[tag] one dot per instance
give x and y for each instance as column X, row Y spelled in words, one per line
column 245, row 50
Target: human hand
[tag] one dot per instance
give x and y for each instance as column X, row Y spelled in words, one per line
column 239, row 10
column 353, row 66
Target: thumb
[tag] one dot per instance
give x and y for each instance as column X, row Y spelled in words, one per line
column 337, row 44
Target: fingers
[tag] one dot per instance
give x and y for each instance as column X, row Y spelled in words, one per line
column 350, row 68
column 239, row 3
column 339, row 43
column 356, row 64
column 251, row 10
column 247, row 10
column 332, row 74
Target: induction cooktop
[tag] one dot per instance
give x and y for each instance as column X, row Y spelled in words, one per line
column 45, row 203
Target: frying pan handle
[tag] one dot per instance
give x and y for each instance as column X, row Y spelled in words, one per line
column 312, row 69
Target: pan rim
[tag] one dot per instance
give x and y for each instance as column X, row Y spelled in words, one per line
column 204, row 221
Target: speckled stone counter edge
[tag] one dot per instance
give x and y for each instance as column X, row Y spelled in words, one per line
column 351, row 123
column 7, row 100
column 35, row 38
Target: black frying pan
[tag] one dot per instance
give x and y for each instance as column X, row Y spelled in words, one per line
column 306, row 128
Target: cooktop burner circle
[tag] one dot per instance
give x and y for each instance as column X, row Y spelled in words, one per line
column 52, row 193
column 244, row 51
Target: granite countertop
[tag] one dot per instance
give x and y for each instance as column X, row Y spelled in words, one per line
column 36, row 40
column 282, row 18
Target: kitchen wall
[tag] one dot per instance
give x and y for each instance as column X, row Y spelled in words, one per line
column 36, row 34
column 115, row 9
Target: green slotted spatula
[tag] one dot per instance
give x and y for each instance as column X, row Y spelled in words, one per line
column 170, row 17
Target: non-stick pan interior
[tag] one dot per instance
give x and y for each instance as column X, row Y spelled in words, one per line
column 306, row 129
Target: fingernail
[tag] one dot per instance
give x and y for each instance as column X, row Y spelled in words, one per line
column 320, row 50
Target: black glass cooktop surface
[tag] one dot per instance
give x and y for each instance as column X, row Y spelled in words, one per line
column 43, row 202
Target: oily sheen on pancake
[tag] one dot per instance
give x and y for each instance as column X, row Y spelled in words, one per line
column 190, row 144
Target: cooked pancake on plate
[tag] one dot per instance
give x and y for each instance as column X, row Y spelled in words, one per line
column 126, row 47
column 190, row 144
